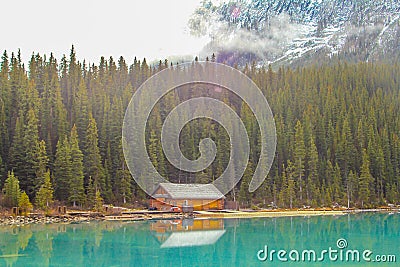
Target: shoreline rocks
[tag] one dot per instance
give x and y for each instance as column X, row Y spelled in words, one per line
column 24, row 220
column 81, row 217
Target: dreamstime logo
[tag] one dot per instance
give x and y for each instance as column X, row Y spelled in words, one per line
column 199, row 73
column 339, row 254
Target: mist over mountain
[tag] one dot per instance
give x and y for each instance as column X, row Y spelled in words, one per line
column 296, row 31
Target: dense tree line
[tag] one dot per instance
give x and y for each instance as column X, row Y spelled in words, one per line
column 337, row 126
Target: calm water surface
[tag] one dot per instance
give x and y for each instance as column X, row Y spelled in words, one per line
column 229, row 242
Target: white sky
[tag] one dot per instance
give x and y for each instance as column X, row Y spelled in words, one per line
column 152, row 28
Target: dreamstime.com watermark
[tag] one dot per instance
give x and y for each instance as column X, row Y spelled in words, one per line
column 206, row 75
column 340, row 253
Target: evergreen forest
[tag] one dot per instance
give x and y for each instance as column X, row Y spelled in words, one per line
column 337, row 126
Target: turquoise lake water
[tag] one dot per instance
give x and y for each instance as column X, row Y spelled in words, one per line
column 229, row 242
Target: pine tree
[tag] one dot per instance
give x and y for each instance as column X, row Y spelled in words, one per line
column 291, row 193
column 213, row 57
column 17, row 147
column 337, row 184
column 2, row 169
column 345, row 153
column 123, row 179
column 352, row 188
column 62, row 170
column 312, row 181
column 76, row 189
column 98, row 203
column 43, row 161
column 4, row 140
column 245, row 197
column 11, row 190
column 283, row 193
column 90, row 193
column 93, row 166
column 124, row 184
column 61, row 115
column 44, row 197
column 380, row 174
column 109, row 174
column 365, row 180
column 5, row 97
column 31, row 160
column 152, row 149
column 81, row 110
column 299, row 157
column 24, row 204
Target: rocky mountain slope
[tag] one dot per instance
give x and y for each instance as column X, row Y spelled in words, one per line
column 295, row 31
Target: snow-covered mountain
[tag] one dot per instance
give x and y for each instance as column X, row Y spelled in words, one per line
column 290, row 31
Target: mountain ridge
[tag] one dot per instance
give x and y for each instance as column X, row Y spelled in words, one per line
column 290, row 31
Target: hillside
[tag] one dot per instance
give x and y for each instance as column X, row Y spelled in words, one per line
column 337, row 131
column 299, row 31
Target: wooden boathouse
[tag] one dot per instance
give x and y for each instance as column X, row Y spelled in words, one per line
column 198, row 196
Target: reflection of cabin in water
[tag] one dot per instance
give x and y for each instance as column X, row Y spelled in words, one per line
column 187, row 232
column 198, row 196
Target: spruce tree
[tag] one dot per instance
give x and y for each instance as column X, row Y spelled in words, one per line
column 365, row 180
column 81, row 110
column 31, row 160
column 283, row 192
column 299, row 157
column 11, row 190
column 244, row 194
column 62, row 170
column 24, row 203
column 337, row 185
column 44, row 197
column 312, row 181
column 76, row 189
column 90, row 193
column 123, row 179
column 92, row 159
column 351, row 188
column 2, row 169
column 291, row 193
column 43, row 161
column 98, row 202
column 17, row 153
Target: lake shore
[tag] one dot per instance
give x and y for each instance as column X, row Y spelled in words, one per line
column 266, row 214
column 144, row 215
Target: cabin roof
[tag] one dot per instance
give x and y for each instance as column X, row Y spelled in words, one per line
column 189, row 191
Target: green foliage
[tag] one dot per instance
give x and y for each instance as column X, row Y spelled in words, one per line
column 24, row 204
column 93, row 165
column 299, row 157
column 11, row 190
column 44, row 197
column 365, row 180
column 291, row 194
column 43, row 161
column 90, row 194
column 326, row 117
column 62, row 169
column 31, row 151
column 124, row 185
column 2, row 168
column 17, row 148
column 98, row 202
column 76, row 190
column 244, row 194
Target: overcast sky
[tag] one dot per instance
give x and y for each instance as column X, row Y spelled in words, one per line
column 152, row 28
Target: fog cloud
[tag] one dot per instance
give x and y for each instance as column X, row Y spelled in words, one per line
column 270, row 39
